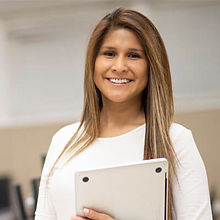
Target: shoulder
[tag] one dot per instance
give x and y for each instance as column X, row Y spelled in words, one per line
column 182, row 140
column 185, row 148
column 59, row 141
column 177, row 131
column 66, row 132
column 62, row 136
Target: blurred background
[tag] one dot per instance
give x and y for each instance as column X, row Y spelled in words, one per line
column 42, row 51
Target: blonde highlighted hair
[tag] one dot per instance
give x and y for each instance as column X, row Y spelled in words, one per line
column 157, row 99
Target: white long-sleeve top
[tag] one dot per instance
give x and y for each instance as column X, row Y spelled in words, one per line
column 56, row 200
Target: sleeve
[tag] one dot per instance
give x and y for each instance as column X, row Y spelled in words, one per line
column 45, row 208
column 190, row 191
column 45, row 204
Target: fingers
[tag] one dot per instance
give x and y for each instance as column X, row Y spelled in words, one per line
column 76, row 217
column 92, row 214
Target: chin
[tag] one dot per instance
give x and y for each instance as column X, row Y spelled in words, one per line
column 118, row 100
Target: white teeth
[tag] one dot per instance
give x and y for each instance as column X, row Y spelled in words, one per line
column 119, row 81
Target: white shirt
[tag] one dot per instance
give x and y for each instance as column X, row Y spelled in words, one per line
column 56, row 201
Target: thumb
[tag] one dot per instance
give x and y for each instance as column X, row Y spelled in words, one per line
column 92, row 214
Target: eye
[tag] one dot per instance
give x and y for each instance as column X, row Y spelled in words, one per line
column 134, row 55
column 109, row 53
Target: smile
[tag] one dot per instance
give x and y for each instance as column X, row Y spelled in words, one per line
column 119, row 81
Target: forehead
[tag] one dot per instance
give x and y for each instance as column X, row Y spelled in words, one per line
column 121, row 37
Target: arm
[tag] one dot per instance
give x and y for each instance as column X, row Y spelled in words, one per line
column 191, row 192
column 45, row 209
column 46, row 206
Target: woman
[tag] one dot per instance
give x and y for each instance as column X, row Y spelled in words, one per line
column 127, row 117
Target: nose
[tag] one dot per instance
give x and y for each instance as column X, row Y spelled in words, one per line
column 120, row 65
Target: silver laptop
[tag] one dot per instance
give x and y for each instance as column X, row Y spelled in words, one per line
column 136, row 191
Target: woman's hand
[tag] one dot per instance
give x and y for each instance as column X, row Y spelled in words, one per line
column 92, row 214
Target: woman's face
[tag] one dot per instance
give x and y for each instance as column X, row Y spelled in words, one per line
column 121, row 67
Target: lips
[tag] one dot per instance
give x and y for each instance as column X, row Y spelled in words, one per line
column 119, row 80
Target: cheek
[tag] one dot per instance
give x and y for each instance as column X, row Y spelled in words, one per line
column 96, row 79
column 143, row 75
column 140, row 69
column 102, row 65
column 96, row 72
column 139, row 65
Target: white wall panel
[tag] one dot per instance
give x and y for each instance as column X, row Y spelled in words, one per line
column 3, row 72
column 191, row 35
column 46, row 55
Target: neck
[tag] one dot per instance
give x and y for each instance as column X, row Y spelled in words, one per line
column 121, row 114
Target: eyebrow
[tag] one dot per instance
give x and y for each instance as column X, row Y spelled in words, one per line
column 130, row 49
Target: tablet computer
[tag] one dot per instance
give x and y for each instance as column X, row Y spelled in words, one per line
column 136, row 191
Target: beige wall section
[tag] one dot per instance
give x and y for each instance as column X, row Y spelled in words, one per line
column 21, row 148
column 205, row 127
column 21, row 151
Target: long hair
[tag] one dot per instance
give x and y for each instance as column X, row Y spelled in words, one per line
column 157, row 98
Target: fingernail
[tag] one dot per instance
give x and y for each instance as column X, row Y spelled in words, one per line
column 85, row 210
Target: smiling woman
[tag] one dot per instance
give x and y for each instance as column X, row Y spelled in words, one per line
column 127, row 117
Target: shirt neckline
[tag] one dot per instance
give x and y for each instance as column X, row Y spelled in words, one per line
column 122, row 135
